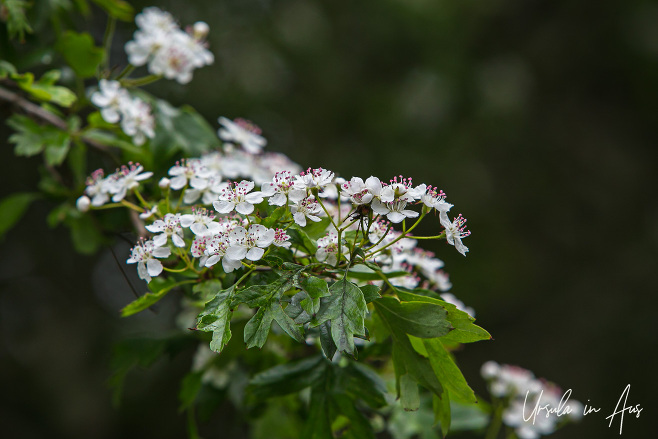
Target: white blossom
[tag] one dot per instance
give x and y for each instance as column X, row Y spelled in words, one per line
column 242, row 132
column 250, row 243
column 306, row 208
column 200, row 222
column 168, row 227
column 314, row 179
column 112, row 100
column 144, row 254
column 238, row 197
column 395, row 211
column 98, row 188
column 281, row 189
column 327, row 251
column 137, row 121
column 455, row 231
column 190, row 170
column 125, row 179
column 281, row 238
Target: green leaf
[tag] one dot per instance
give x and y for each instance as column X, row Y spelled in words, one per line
column 216, row 318
column 17, row 24
column 57, row 149
column 30, row 138
column 287, row 378
column 371, row 292
column 465, row 330
column 273, row 217
column 317, row 230
column 316, row 288
column 363, row 272
column 189, row 390
column 301, row 240
column 179, row 131
column 409, row 396
column 150, row 299
column 448, row 373
column 118, row 9
column 86, row 237
column 361, row 382
column 405, row 357
column 7, row 69
column 318, row 421
column 346, row 308
column 421, row 319
column 287, row 324
column 326, row 341
column 442, row 412
column 468, row 417
column 258, row 327
column 80, row 53
column 12, row 209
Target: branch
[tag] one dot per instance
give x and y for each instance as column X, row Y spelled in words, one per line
column 44, row 115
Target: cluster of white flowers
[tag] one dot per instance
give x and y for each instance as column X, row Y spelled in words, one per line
column 533, row 407
column 99, row 188
column 168, row 50
column 117, row 105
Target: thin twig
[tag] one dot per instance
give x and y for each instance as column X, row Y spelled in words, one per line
column 44, row 115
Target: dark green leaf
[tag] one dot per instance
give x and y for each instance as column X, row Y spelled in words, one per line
column 12, row 209
column 80, row 53
column 32, row 138
column 85, row 235
column 287, row 324
column 216, row 317
column 465, row 330
column 57, row 149
column 421, row 319
column 258, row 327
column 346, row 308
column 273, row 217
column 318, row 421
column 287, row 378
column 371, row 292
column 301, row 240
column 361, row 382
column 326, row 341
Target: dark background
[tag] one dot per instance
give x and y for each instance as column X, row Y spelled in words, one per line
column 537, row 118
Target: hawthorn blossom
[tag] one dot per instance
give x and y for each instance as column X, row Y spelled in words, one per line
column 144, row 254
column 243, row 132
column 402, row 190
column 190, row 170
column 238, row 197
column 433, row 198
column 216, row 248
column 148, row 213
column 168, row 50
column 440, row 280
column 207, row 190
column 357, row 191
column 281, row 189
column 137, row 121
column 250, row 243
column 455, row 231
column 306, row 208
column 200, row 222
column 521, row 391
column 112, row 99
column 314, row 179
column 125, row 179
column 170, row 226
column 395, row 211
column 97, row 188
column 327, row 251
column 281, row 238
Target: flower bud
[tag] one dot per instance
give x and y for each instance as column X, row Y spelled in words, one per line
column 83, row 203
column 200, row 30
column 339, row 181
column 164, row 183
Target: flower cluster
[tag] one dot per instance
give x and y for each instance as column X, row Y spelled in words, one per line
column 522, row 393
column 117, row 105
column 168, row 50
column 99, row 188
